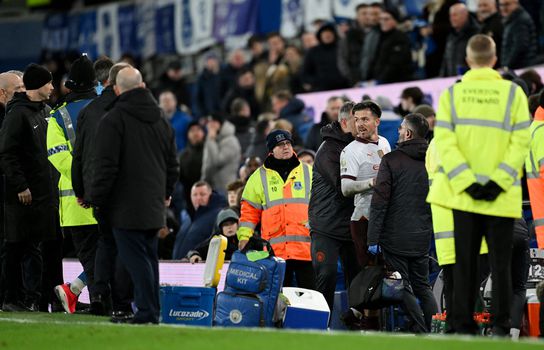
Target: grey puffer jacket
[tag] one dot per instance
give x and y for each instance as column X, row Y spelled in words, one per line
column 221, row 159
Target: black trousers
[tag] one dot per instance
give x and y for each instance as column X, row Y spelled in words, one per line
column 498, row 231
column 111, row 278
column 52, row 271
column 325, row 254
column 302, row 271
column 415, row 277
column 22, row 259
column 138, row 252
column 85, row 239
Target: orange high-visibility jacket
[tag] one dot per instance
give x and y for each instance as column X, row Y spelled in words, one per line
column 281, row 208
column 534, row 165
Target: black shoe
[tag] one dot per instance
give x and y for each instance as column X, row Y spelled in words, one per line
column 122, row 317
column 14, row 307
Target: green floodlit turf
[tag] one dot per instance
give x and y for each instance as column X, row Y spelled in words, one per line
column 78, row 332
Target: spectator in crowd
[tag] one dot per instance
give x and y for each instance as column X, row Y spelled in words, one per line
column 236, row 61
column 284, row 225
column 208, row 87
column 29, row 203
column 178, row 120
column 400, row 219
column 173, row 79
column 250, row 165
column 222, row 153
column 290, row 108
column 393, row 60
column 307, row 41
column 371, row 43
column 352, row 45
column 190, row 160
column 533, row 81
column 275, row 76
column 491, row 22
column 196, row 228
column 255, row 44
column 306, row 156
column 436, row 34
column 245, row 89
column 485, row 199
column 76, row 221
column 284, row 124
column 294, row 60
column 519, row 44
column 226, row 225
column 329, row 211
column 240, row 117
column 410, row 98
column 314, row 139
column 10, row 83
column 320, row 70
column 429, row 113
column 464, row 26
column 107, row 267
column 233, row 191
column 359, row 164
column 136, row 145
column 257, row 147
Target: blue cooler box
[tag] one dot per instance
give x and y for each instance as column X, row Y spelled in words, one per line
column 187, row 305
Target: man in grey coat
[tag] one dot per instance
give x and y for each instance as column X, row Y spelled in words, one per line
column 222, row 154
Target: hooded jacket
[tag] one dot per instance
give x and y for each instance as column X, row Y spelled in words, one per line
column 222, row 157
column 294, row 112
column 314, row 138
column 23, row 159
column 329, row 211
column 136, row 166
column 321, row 66
column 400, row 219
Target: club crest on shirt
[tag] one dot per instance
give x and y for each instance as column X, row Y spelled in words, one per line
column 298, row 185
column 380, row 153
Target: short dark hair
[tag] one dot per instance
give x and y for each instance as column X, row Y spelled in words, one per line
column 414, row 93
column 202, row 183
column 275, row 34
column 534, row 103
column 361, row 6
column 237, row 105
column 418, row 124
column 254, row 39
column 283, row 95
column 102, row 68
column 373, row 106
column 115, row 69
column 235, row 185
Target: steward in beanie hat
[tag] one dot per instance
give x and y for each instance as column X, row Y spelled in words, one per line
column 36, row 76
column 277, row 136
column 82, row 76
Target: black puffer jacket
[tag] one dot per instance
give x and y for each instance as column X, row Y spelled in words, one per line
column 393, row 61
column 23, row 158
column 454, row 56
column 136, row 165
column 400, row 218
column 329, row 211
column 519, row 44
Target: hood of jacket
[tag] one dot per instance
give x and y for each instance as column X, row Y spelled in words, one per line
column 21, row 99
column 241, row 124
column 334, row 131
column 415, row 149
column 224, row 215
column 140, row 104
column 330, row 27
column 294, row 106
column 227, row 130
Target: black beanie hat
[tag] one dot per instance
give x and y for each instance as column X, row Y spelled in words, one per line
column 277, row 136
column 82, row 76
column 36, row 76
column 394, row 13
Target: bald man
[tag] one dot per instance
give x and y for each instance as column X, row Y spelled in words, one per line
column 10, row 83
column 463, row 27
column 136, row 168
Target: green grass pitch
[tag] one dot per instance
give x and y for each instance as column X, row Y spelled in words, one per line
column 27, row 331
